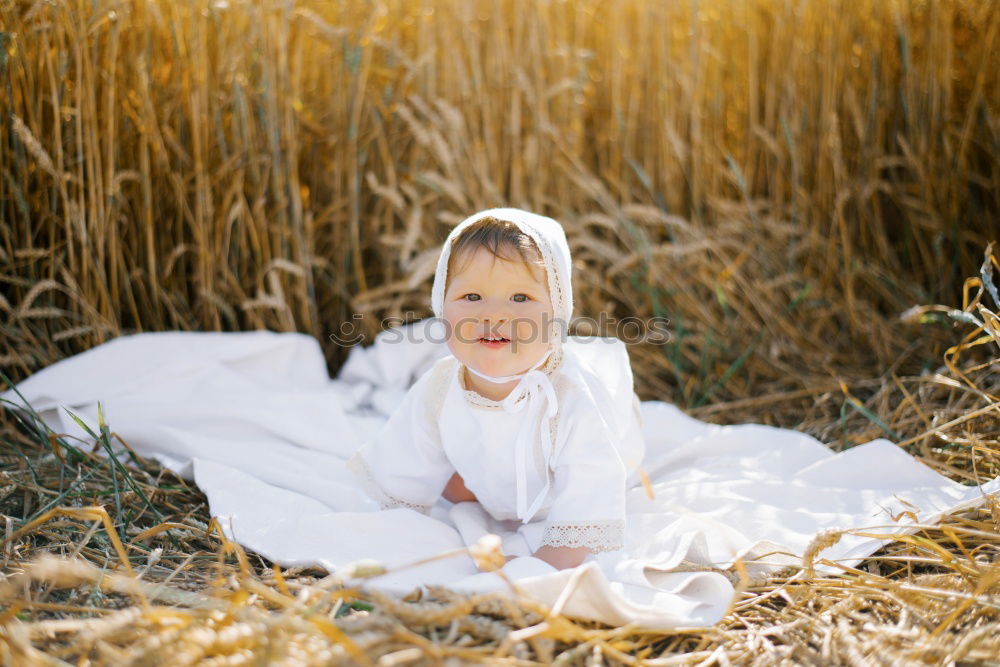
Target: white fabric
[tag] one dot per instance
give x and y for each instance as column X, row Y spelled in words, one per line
column 534, row 388
column 535, row 384
column 256, row 422
column 574, row 471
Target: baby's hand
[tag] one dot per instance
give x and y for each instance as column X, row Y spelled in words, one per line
column 562, row 558
column 455, row 491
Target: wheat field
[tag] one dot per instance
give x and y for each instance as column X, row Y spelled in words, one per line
column 806, row 191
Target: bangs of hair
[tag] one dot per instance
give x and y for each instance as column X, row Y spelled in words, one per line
column 502, row 238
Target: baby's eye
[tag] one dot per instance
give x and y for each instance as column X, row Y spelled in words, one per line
column 520, row 300
column 474, row 297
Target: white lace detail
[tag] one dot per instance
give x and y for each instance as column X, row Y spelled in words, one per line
column 475, row 398
column 559, row 385
column 597, row 536
column 557, row 294
column 357, row 465
column 437, row 387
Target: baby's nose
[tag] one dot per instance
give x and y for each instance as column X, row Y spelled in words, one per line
column 494, row 313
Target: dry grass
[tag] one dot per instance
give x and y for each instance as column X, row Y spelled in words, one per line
column 781, row 180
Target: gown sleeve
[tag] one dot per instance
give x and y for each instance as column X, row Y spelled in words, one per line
column 404, row 464
column 589, row 479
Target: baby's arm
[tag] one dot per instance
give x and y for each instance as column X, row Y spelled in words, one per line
column 404, row 464
column 587, row 515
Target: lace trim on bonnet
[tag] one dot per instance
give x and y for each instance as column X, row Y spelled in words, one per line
column 558, row 295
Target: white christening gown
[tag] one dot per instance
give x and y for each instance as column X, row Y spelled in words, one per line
column 574, row 468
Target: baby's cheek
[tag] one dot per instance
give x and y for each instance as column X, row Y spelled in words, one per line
column 464, row 330
column 455, row 322
column 528, row 330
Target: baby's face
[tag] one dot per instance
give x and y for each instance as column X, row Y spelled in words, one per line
column 493, row 297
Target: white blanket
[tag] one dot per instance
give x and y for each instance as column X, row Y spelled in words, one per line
column 254, row 420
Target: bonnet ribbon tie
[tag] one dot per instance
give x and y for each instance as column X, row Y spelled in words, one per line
column 538, row 388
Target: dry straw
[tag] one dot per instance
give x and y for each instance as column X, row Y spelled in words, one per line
column 785, row 182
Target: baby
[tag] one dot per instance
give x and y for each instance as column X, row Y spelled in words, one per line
column 538, row 429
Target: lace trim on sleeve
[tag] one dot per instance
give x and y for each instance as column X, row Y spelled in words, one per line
column 357, row 465
column 595, row 535
column 441, row 375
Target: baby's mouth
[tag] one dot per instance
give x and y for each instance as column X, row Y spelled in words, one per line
column 494, row 341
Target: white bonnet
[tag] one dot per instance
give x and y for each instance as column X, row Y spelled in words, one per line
column 550, row 238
